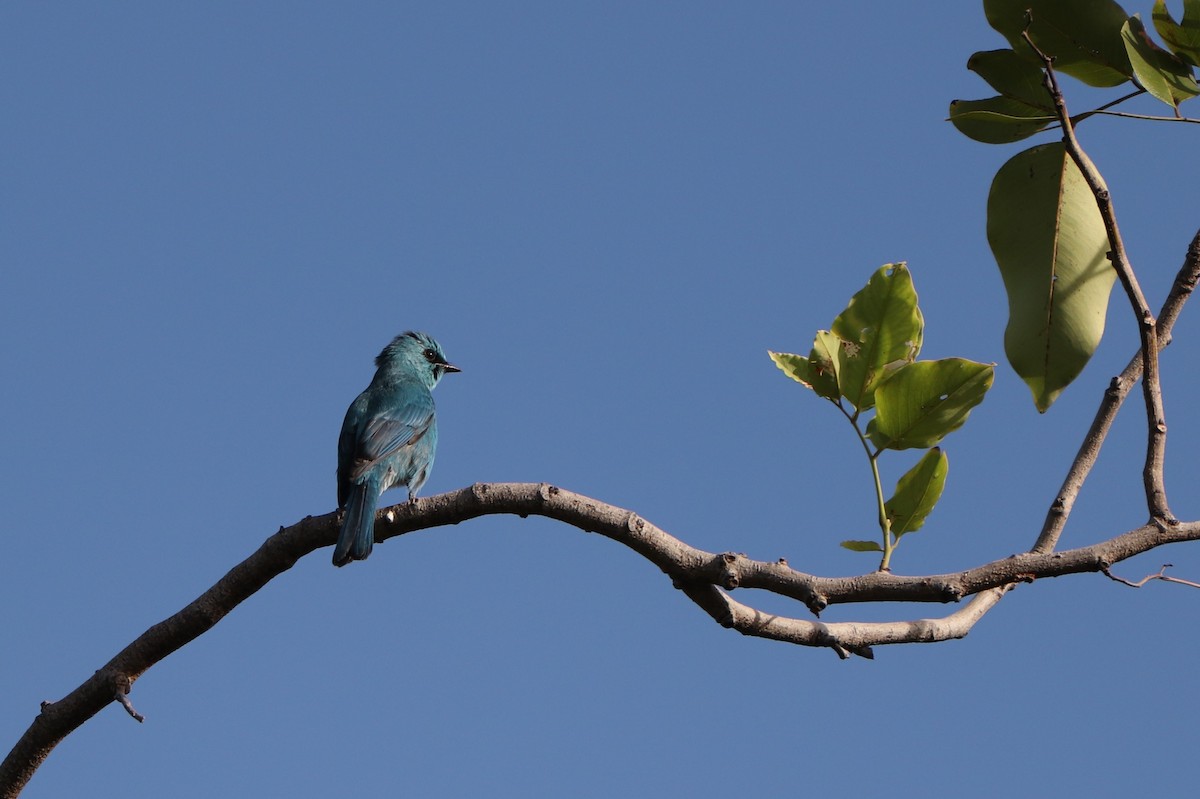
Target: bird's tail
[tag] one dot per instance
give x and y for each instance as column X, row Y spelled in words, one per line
column 358, row 525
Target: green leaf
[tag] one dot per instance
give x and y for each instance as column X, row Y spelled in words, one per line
column 826, row 356
column 917, row 492
column 925, row 401
column 1084, row 36
column 1183, row 39
column 794, row 366
column 816, row 371
column 880, row 329
column 998, row 120
column 1050, row 244
column 1023, row 108
column 862, row 546
column 1160, row 73
column 1014, row 77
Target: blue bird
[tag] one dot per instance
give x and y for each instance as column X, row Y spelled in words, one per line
column 389, row 437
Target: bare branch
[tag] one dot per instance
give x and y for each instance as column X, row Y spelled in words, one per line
column 845, row 638
column 1156, row 442
column 1114, row 396
column 1149, row 117
column 701, row 575
column 125, row 703
column 1159, row 575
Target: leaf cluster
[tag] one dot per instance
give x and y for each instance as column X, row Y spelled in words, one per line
column 1046, row 232
column 1095, row 41
column 867, row 363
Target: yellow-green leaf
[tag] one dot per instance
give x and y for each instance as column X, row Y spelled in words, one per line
column 862, row 546
column 1162, row 74
column 818, row 371
column 923, row 402
column 1184, row 37
column 1050, row 244
column 917, row 492
column 880, row 329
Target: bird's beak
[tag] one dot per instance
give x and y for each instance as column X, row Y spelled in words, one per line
column 449, row 367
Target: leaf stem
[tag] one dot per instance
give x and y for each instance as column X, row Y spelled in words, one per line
column 885, row 526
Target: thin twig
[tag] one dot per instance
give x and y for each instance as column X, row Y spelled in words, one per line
column 123, row 698
column 1128, row 115
column 1114, row 396
column 1159, row 575
column 1156, row 438
column 1075, row 120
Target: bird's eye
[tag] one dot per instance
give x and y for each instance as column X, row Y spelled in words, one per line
column 430, row 355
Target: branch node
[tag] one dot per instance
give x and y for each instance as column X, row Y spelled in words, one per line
column 634, row 523
column 1159, row 575
column 125, row 703
column 122, row 685
column 1164, row 524
column 730, row 579
column 953, row 591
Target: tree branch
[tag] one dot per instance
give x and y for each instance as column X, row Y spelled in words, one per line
column 694, row 571
column 1161, row 574
column 1118, row 389
column 701, row 575
column 1156, row 440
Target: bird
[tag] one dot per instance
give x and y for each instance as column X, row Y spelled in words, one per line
column 388, row 438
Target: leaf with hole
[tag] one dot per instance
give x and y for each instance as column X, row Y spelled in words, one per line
column 880, row 329
column 925, row 401
column 818, row 371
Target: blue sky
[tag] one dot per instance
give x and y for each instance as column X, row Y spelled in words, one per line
column 214, row 216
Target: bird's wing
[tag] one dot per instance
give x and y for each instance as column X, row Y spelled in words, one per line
column 389, row 429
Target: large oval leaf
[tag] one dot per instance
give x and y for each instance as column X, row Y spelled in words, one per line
column 998, row 120
column 1084, row 36
column 1050, row 243
column 1013, row 76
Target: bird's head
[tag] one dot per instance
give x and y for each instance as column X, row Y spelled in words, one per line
column 418, row 354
